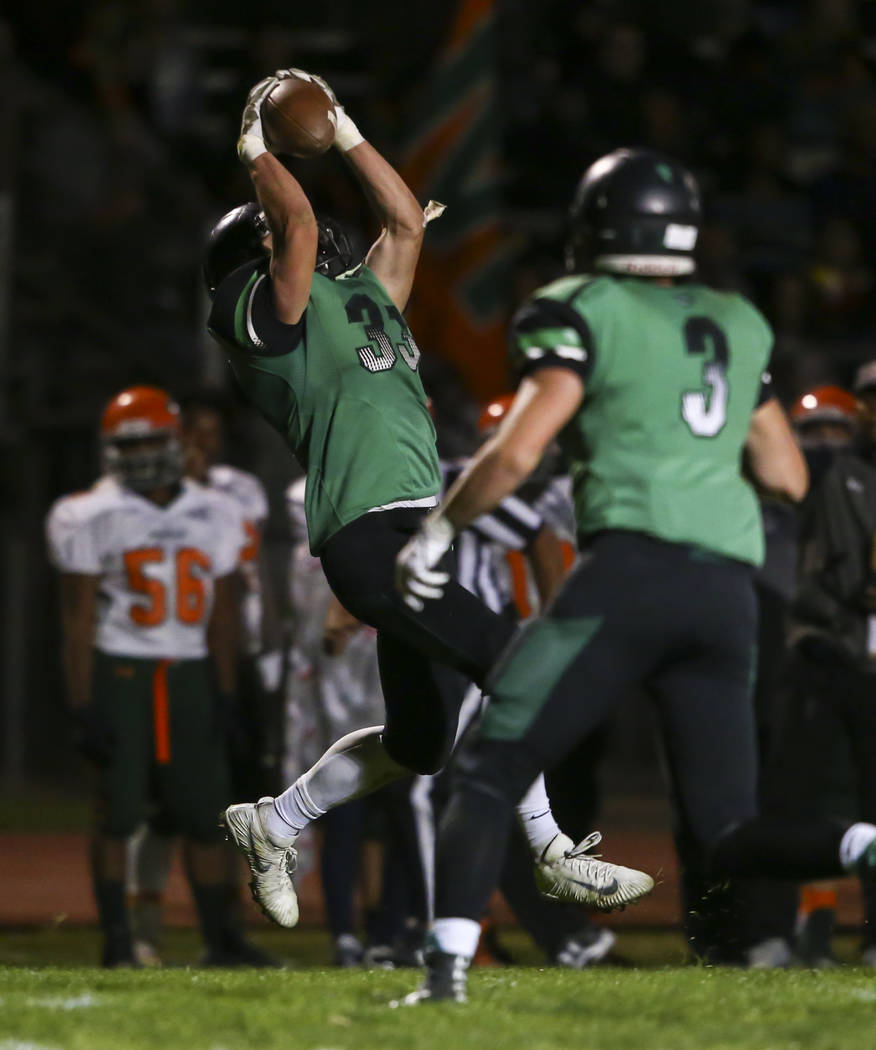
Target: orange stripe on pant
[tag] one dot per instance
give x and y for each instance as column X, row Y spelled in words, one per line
column 161, row 713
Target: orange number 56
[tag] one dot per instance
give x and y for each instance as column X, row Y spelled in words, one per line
column 191, row 597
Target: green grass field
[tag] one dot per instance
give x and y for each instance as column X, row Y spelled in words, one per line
column 50, row 997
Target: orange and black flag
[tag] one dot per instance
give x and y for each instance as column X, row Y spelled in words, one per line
column 460, row 304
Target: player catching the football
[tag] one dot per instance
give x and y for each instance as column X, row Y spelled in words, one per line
column 322, row 348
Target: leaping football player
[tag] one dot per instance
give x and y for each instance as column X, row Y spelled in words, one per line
column 321, row 346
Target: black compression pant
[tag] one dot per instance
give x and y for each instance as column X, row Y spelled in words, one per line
column 458, row 630
column 635, row 611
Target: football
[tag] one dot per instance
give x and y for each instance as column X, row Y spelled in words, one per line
column 295, row 119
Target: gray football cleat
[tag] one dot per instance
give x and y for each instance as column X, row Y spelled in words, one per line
column 271, row 864
column 570, row 873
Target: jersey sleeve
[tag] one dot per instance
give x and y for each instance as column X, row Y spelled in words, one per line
column 547, row 333
column 72, row 538
column 243, row 314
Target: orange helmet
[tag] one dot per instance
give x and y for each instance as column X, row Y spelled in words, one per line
column 139, row 432
column 825, row 404
column 493, row 413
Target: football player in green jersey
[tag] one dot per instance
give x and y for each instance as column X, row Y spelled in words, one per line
column 655, row 386
column 321, row 347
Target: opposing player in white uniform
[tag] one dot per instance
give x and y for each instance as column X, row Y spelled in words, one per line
column 146, row 561
column 253, row 718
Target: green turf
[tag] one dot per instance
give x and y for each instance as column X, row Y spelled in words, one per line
column 72, row 1006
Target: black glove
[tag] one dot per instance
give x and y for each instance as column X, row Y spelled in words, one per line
column 92, row 734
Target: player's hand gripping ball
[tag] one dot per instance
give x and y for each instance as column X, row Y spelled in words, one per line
column 298, row 116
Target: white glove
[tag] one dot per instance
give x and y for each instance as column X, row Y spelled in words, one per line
column 347, row 135
column 415, row 574
column 251, row 143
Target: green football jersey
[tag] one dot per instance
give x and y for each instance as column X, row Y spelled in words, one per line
column 342, row 387
column 672, row 375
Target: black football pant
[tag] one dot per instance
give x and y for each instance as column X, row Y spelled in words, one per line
column 457, row 630
column 634, row 612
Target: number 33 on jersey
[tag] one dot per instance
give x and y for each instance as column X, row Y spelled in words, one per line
column 157, row 564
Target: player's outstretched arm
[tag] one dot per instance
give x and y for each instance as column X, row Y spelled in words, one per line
column 289, row 216
column 545, row 402
column 393, row 256
column 774, row 455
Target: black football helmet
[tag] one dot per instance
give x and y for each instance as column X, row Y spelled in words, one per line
column 235, row 239
column 635, row 211
column 239, row 236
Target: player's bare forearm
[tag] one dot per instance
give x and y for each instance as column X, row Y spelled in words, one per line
column 542, row 406
column 222, row 633
column 774, row 455
column 294, row 235
column 393, row 256
column 78, row 610
column 494, row 472
column 285, row 204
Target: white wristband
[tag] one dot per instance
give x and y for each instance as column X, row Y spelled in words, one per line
column 249, row 147
column 347, row 135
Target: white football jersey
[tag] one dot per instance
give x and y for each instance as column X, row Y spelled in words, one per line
column 249, row 494
column 157, row 564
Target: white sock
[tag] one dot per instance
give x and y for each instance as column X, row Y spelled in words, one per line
column 291, row 813
column 536, row 818
column 855, row 840
column 457, row 936
column 354, row 765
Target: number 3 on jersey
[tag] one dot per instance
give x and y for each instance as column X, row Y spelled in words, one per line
column 190, row 593
column 705, row 412
column 379, row 354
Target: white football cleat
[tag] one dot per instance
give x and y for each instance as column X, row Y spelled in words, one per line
column 271, row 864
column 569, row 873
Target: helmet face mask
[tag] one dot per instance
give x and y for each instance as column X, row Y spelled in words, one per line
column 637, row 212
column 140, row 440
column 144, row 464
column 334, row 253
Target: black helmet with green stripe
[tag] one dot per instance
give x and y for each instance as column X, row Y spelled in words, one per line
column 635, row 211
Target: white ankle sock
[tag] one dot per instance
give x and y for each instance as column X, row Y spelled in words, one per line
column 457, row 936
column 855, row 840
column 291, row 811
column 536, row 818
